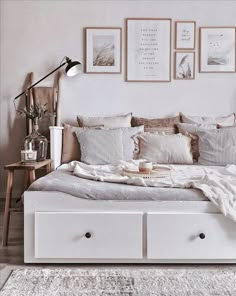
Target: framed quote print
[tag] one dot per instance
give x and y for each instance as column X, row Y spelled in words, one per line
column 217, row 49
column 185, row 34
column 148, row 52
column 184, row 65
column 103, row 50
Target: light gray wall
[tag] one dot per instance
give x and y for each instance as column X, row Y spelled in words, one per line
column 36, row 35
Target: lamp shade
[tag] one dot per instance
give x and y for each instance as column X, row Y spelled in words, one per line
column 73, row 68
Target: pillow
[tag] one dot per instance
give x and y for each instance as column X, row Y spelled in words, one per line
column 175, row 149
column 100, row 146
column 188, row 129
column 223, row 120
column 217, row 147
column 70, row 145
column 228, row 126
column 108, row 122
column 156, row 123
column 164, row 130
column 127, row 140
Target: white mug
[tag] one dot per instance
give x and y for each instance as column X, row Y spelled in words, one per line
column 145, row 166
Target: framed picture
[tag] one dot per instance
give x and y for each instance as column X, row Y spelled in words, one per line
column 148, row 52
column 185, row 34
column 217, row 49
column 103, row 50
column 184, row 65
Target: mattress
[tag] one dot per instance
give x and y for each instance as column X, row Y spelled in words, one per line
column 66, row 182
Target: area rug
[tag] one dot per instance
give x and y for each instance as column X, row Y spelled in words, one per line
column 121, row 282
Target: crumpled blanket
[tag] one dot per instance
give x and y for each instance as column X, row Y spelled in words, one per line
column 218, row 184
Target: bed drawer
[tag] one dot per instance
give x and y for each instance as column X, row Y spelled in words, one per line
column 88, row 235
column 190, row 236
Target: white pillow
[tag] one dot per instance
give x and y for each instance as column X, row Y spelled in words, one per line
column 217, row 147
column 100, row 146
column 107, row 122
column 191, row 130
column 175, row 149
column 195, row 127
column 128, row 141
column 222, row 120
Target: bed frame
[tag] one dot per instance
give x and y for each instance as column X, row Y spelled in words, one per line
column 59, row 228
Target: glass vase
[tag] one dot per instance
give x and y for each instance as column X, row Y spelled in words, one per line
column 37, row 142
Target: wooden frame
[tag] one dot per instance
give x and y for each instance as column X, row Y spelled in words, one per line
column 192, row 77
column 151, row 71
column 101, row 66
column 216, row 68
column 193, row 38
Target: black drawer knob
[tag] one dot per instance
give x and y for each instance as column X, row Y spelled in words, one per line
column 202, row 235
column 88, row 235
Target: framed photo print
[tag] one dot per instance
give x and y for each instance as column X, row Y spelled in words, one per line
column 184, row 65
column 185, row 34
column 148, row 52
column 217, row 49
column 103, row 50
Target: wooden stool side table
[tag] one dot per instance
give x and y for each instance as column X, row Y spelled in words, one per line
column 30, row 169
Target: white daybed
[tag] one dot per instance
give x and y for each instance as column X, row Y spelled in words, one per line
column 61, row 228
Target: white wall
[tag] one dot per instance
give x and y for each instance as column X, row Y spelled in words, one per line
column 36, row 35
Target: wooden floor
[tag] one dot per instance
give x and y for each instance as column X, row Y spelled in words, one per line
column 14, row 252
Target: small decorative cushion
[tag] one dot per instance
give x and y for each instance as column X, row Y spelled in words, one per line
column 217, row 147
column 100, row 147
column 107, row 122
column 155, row 122
column 191, row 130
column 223, row 120
column 70, row 146
column 175, row 149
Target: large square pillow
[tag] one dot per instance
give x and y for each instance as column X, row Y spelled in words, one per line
column 107, row 122
column 164, row 149
column 217, row 147
column 99, row 147
column 191, row 130
column 70, row 144
column 221, row 120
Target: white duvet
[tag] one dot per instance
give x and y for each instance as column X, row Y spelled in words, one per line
column 218, row 184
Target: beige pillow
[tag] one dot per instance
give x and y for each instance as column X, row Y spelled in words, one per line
column 164, row 149
column 167, row 130
column 70, row 147
column 222, row 120
column 168, row 123
column 107, row 122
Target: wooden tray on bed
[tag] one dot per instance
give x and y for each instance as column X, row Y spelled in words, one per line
column 157, row 172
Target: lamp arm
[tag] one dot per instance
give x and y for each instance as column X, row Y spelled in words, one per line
column 26, row 90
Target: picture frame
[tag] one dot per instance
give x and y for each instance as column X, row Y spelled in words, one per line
column 148, row 49
column 185, row 35
column 184, row 67
column 103, row 50
column 217, row 49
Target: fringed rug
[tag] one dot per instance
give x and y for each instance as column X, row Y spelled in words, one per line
column 121, row 282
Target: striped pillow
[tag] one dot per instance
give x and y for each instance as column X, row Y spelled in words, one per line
column 217, row 147
column 191, row 130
